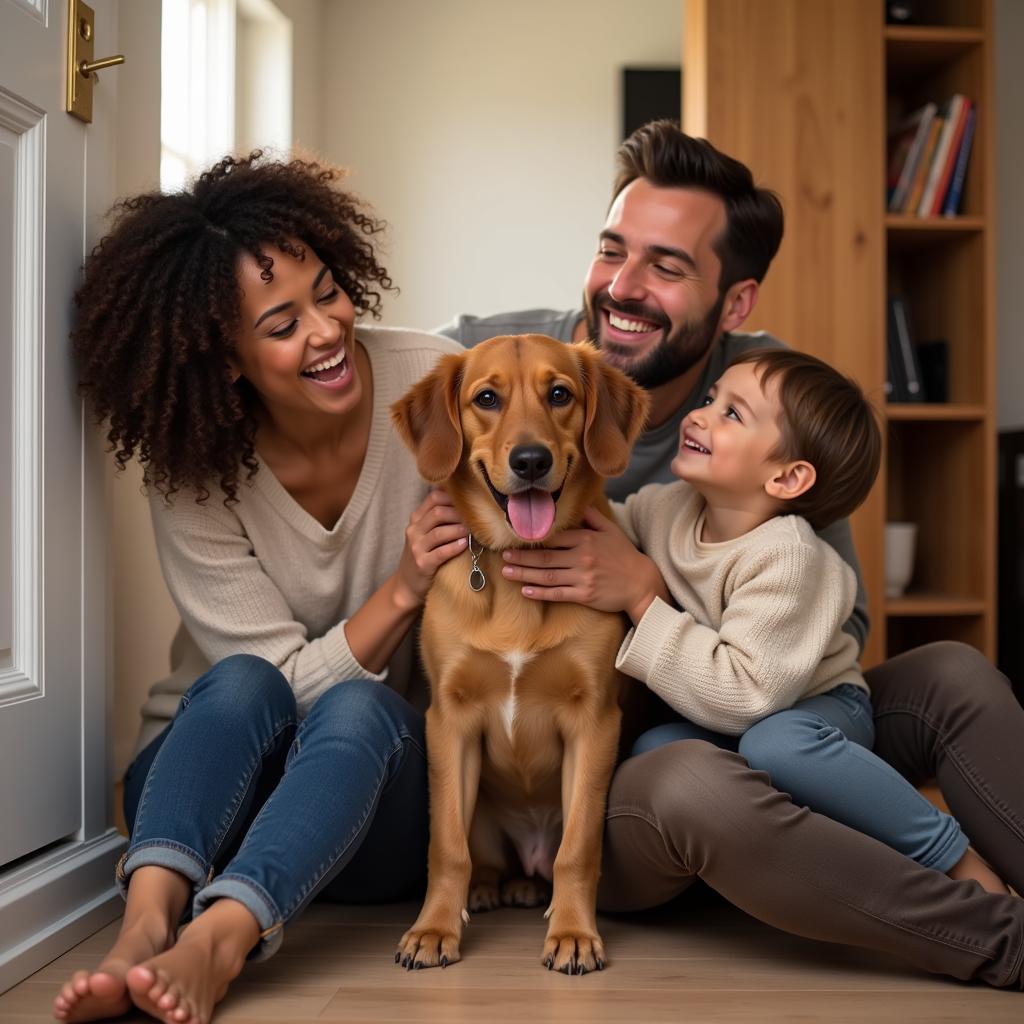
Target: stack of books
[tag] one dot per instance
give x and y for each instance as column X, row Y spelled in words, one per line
column 915, row 372
column 903, row 382
column 928, row 156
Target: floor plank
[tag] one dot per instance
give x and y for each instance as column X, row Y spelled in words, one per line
column 699, row 961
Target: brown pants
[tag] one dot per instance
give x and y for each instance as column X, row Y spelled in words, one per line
column 691, row 810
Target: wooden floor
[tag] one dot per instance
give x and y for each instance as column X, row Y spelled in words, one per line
column 699, row 960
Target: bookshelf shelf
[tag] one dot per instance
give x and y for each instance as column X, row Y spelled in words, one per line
column 919, row 605
column 937, row 412
column 907, row 233
column 903, row 39
column 913, row 53
column 902, row 224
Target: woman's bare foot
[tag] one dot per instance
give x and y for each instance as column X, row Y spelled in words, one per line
column 971, row 866
column 156, row 898
column 182, row 985
column 103, row 993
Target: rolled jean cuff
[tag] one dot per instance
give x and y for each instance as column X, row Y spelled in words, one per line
column 163, row 853
column 951, row 852
column 256, row 900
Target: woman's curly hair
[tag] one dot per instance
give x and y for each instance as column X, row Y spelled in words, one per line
column 159, row 309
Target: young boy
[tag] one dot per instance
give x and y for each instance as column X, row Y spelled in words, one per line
column 743, row 637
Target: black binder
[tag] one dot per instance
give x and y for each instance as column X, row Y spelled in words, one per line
column 1011, row 558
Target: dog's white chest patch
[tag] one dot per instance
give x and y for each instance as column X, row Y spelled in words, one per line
column 516, row 661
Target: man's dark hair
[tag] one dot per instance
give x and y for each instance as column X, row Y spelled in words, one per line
column 663, row 154
column 159, row 309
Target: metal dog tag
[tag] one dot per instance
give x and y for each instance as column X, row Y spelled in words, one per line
column 477, row 579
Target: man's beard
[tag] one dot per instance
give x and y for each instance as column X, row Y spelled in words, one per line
column 674, row 354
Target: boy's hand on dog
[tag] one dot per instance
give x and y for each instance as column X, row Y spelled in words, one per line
column 434, row 535
column 598, row 567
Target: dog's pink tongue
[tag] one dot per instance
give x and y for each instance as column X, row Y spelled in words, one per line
column 531, row 513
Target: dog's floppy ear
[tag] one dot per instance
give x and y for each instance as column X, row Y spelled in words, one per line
column 427, row 419
column 616, row 410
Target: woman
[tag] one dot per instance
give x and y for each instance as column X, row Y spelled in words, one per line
column 217, row 339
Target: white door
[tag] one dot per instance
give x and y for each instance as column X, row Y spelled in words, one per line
column 54, row 807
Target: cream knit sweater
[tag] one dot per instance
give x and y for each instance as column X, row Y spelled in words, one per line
column 264, row 577
column 758, row 620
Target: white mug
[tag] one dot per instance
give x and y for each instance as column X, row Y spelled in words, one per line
column 900, row 541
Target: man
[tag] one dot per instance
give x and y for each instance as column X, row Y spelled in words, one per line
column 686, row 243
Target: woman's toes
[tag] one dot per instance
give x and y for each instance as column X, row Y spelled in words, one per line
column 141, row 977
column 170, row 999
column 106, row 986
column 91, row 996
column 160, row 986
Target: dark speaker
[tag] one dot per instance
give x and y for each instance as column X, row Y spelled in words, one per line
column 1011, row 558
column 649, row 94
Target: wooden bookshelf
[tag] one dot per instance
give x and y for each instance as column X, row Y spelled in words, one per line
column 805, row 92
column 940, row 468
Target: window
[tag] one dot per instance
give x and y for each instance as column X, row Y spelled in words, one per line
column 263, row 77
column 197, row 88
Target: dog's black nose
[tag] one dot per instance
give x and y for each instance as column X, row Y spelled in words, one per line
column 530, row 461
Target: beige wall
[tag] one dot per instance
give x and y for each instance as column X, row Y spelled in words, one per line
column 1009, row 76
column 307, row 17
column 484, row 133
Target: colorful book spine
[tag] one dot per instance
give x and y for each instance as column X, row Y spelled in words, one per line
column 952, row 114
column 951, row 206
column 923, row 166
column 951, row 158
column 907, row 145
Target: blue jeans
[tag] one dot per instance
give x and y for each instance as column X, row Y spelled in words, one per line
column 819, row 752
column 247, row 803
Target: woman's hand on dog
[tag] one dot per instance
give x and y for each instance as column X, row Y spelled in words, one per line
column 434, row 535
column 598, row 567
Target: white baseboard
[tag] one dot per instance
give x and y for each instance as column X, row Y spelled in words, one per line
column 36, row 925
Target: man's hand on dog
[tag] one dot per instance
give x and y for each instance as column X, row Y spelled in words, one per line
column 434, row 535
column 598, row 567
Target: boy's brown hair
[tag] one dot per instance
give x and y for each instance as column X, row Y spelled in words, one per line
column 826, row 421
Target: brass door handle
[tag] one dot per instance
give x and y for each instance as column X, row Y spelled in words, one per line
column 80, row 74
column 87, row 67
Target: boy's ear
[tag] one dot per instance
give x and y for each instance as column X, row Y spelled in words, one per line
column 791, row 480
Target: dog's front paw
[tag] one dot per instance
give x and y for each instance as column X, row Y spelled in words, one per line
column 428, row 945
column 483, row 896
column 525, row 892
column 573, row 952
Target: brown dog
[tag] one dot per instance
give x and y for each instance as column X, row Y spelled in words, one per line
column 523, row 724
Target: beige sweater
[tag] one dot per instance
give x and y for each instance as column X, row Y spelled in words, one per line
column 758, row 622
column 264, row 577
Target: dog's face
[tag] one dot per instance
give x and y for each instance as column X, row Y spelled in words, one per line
column 521, row 430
